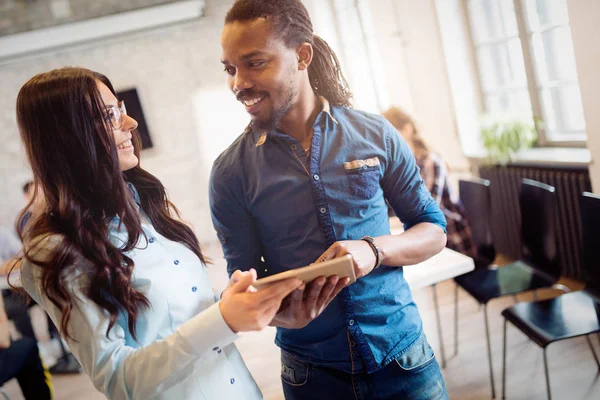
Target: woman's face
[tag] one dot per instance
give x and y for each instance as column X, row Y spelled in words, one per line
column 123, row 135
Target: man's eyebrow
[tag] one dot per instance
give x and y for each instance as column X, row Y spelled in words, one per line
column 247, row 56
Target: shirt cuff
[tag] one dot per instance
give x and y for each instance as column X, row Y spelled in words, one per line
column 207, row 331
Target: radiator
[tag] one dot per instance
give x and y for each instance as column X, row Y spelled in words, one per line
column 569, row 183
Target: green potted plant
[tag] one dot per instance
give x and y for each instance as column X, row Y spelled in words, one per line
column 504, row 137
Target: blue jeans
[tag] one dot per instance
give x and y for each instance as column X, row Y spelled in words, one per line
column 413, row 375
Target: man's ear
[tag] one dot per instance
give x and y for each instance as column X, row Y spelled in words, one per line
column 305, row 55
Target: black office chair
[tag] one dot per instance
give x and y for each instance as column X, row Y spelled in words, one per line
column 569, row 315
column 475, row 197
column 538, row 268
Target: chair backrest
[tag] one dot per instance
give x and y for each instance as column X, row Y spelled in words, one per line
column 475, row 197
column 538, row 227
column 590, row 229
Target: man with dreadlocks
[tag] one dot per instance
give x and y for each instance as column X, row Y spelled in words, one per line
column 308, row 180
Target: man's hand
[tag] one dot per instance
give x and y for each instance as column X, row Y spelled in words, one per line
column 308, row 302
column 362, row 254
column 246, row 309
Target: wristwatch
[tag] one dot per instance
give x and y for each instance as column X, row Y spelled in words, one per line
column 378, row 255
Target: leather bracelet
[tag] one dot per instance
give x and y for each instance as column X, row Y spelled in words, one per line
column 378, row 255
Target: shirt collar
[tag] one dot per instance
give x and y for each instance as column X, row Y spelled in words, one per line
column 134, row 193
column 262, row 138
column 327, row 108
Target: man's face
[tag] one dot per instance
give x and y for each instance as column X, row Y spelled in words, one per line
column 263, row 72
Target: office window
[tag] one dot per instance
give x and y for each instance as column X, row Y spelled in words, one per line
column 526, row 65
column 360, row 60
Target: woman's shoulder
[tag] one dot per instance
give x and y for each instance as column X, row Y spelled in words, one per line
column 42, row 247
column 39, row 251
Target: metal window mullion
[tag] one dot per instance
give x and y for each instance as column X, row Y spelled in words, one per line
column 494, row 43
column 548, row 28
column 528, row 59
column 475, row 57
column 368, row 50
column 557, row 83
column 503, row 90
column 496, row 40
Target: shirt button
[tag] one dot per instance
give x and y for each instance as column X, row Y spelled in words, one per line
column 364, row 167
column 176, row 262
column 151, row 240
column 293, row 148
column 232, row 381
column 351, row 322
column 323, row 210
column 194, row 288
column 316, row 177
column 352, row 344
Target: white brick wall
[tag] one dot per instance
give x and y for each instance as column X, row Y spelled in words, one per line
column 190, row 113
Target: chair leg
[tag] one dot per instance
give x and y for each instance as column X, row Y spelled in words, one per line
column 456, row 320
column 489, row 347
column 547, row 374
column 593, row 351
column 439, row 324
column 504, row 362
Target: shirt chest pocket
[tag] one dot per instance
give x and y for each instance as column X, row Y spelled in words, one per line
column 363, row 177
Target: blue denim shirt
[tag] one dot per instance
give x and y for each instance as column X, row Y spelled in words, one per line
column 274, row 209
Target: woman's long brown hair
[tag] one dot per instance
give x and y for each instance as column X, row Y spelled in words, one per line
column 76, row 169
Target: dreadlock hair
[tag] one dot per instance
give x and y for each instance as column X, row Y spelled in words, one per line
column 291, row 22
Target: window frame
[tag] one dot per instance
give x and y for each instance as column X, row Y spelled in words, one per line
column 534, row 86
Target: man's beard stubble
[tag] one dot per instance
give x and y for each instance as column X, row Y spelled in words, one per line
column 272, row 123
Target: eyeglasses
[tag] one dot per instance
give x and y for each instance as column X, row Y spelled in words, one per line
column 114, row 115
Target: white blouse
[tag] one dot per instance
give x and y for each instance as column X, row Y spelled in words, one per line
column 184, row 348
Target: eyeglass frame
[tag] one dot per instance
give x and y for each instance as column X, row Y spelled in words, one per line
column 119, row 109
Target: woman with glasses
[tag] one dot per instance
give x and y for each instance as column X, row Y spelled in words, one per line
column 111, row 262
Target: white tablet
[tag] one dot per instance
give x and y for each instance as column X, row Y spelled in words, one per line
column 340, row 266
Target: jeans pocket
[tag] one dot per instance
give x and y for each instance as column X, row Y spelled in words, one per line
column 293, row 371
column 417, row 356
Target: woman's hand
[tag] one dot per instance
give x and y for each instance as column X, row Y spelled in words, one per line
column 246, row 309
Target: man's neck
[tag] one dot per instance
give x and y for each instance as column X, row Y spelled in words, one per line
column 299, row 121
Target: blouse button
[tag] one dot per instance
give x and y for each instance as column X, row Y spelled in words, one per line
column 232, row 381
column 194, row 288
column 176, row 262
column 151, row 240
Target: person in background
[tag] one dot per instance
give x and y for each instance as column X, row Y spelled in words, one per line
column 28, row 194
column 20, row 359
column 55, row 353
column 28, row 191
column 434, row 173
column 113, row 265
column 15, row 304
